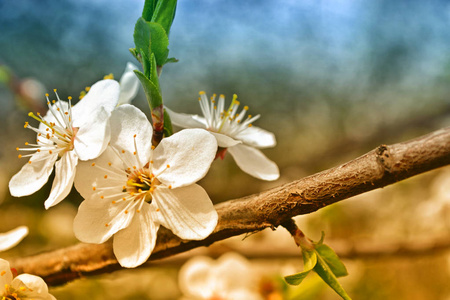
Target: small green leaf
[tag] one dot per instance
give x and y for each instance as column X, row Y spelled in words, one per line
column 332, row 260
column 164, row 13
column 149, row 9
column 171, row 60
column 142, row 35
column 135, row 53
column 159, row 43
column 309, row 261
column 154, row 73
column 168, row 131
column 324, row 271
column 151, row 91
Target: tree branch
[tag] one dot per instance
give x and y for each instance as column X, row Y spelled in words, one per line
column 378, row 168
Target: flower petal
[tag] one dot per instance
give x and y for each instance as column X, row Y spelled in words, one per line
column 98, row 219
column 225, row 141
column 254, row 162
column 35, row 284
column 93, row 136
column 13, row 237
column 103, row 94
column 33, row 175
column 92, row 174
column 64, row 176
column 257, row 137
column 195, row 278
column 187, row 211
column 189, row 153
column 185, row 120
column 134, row 244
column 7, row 276
column 129, row 85
column 126, row 122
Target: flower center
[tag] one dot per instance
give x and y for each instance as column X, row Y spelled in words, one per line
column 228, row 122
column 141, row 184
column 55, row 134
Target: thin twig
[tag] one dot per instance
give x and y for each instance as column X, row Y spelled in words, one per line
column 378, row 168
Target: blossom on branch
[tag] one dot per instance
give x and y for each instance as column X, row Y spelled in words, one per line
column 133, row 188
column 66, row 134
column 234, row 133
column 23, row 287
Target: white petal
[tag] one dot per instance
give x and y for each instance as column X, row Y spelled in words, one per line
column 103, row 94
column 32, row 282
column 64, row 176
column 90, row 223
column 92, row 174
column 129, row 85
column 257, row 137
column 32, row 176
column 185, row 120
column 225, row 141
column 254, row 162
column 134, row 244
column 102, row 172
column 189, row 153
column 13, row 237
column 93, row 136
column 126, row 122
column 187, row 211
column 7, row 277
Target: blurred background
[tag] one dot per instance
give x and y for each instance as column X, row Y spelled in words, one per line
column 331, row 79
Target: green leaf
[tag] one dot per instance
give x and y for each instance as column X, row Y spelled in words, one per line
column 142, row 37
column 309, row 261
column 332, row 260
column 151, row 91
column 159, row 43
column 165, row 13
column 149, row 9
column 324, row 271
column 135, row 53
column 171, row 60
column 154, row 72
column 168, row 131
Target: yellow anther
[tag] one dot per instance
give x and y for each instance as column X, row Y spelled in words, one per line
column 50, row 151
column 106, row 225
column 109, row 164
column 46, row 94
column 151, row 161
column 168, row 166
column 157, row 209
column 153, row 147
column 53, row 101
column 124, row 199
column 94, row 188
column 140, row 190
column 22, row 288
column 138, row 211
column 134, row 153
column 38, row 113
column 38, row 150
column 3, row 273
column 123, row 151
column 222, row 96
column 134, row 167
column 29, row 161
column 102, row 197
column 20, row 156
column 54, row 90
column 170, row 186
column 26, row 143
column 126, row 211
column 17, row 148
column 87, row 88
column 249, row 116
column 26, row 125
column 202, row 92
column 249, row 125
column 93, row 164
column 70, row 97
column 113, row 202
column 106, row 176
column 66, row 113
column 134, row 136
column 246, row 107
column 109, row 76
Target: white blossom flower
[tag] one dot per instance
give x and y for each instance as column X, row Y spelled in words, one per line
column 13, row 237
column 234, row 133
column 68, row 133
column 129, row 85
column 132, row 188
column 23, row 287
column 228, row 278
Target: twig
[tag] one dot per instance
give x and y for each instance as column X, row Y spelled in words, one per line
column 378, row 168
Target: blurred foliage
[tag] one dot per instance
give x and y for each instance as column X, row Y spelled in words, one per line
column 332, row 80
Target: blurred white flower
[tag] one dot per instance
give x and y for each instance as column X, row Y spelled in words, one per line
column 13, row 237
column 22, row 287
column 229, row 278
column 69, row 133
column 132, row 188
column 234, row 133
column 129, row 85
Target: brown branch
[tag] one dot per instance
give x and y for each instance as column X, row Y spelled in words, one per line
column 378, row 168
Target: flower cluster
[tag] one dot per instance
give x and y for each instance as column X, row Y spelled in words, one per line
column 103, row 146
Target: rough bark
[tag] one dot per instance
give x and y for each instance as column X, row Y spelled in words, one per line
column 380, row 167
